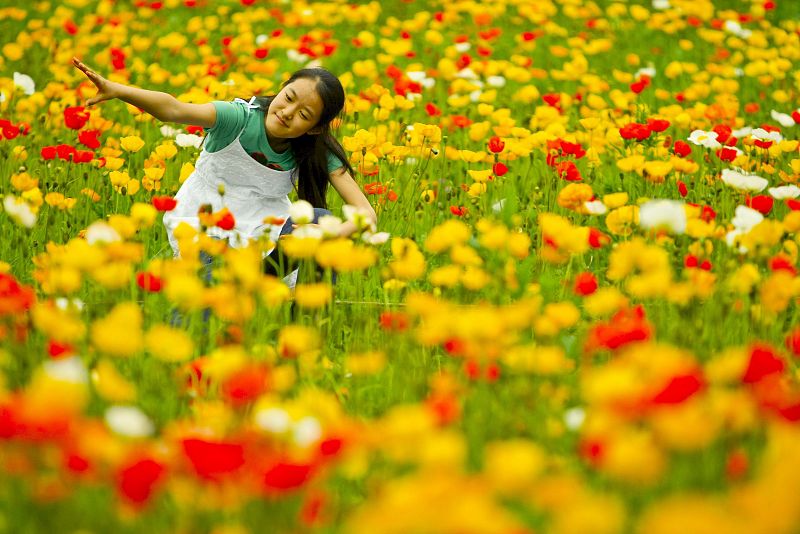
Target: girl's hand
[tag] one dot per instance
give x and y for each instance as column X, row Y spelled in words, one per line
column 105, row 88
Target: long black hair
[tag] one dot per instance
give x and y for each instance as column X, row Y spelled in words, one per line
column 310, row 151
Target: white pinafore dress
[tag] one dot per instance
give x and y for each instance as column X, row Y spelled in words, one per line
column 252, row 192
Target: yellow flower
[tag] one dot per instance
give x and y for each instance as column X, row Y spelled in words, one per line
column 23, row 182
column 474, row 278
column 573, row 196
column 634, row 163
column 120, row 332
column 445, row 276
column 313, row 295
column 295, row 340
column 143, row 214
column 186, row 170
column 408, row 262
column 615, row 200
column 168, row 344
column 621, row 221
column 60, row 325
column 367, row 363
column 110, row 384
column 166, row 150
column 512, row 466
column 131, row 143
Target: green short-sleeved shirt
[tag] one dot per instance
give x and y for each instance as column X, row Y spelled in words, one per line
column 232, row 118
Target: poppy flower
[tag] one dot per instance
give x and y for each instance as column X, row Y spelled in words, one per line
column 496, row 145
column 211, row 459
column 679, row 388
column 657, row 125
column 285, row 476
column 585, row 284
column 137, row 481
column 626, row 326
column 567, row 170
column 89, row 138
column 226, row 221
column 761, row 203
column 636, row 131
column 682, row 189
column 459, row 211
column 681, row 149
column 164, row 203
column 76, row 117
column 149, row 282
column 764, row 361
column 499, row 169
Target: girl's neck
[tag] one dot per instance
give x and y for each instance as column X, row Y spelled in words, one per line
column 278, row 144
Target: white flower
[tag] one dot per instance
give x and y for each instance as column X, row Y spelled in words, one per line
column 168, row 131
column 744, row 182
column 427, row 83
column 496, row 81
column 467, row 73
column 70, row 370
column 706, row 139
column 413, row 96
column 330, row 225
column 306, row 431
column 416, row 75
column 736, row 29
column 378, row 238
column 101, row 232
column 275, row 420
column 741, row 132
column 663, row 214
column 261, row 39
column 308, row 231
column 19, row 211
column 784, row 191
column 25, row 82
column 129, row 421
column 595, row 207
column 574, row 418
column 63, row 303
column 301, row 212
column 763, row 135
column 296, row 56
column 358, row 216
column 650, row 72
column 746, row 218
column 462, row 47
column 783, row 119
column 497, row 207
column 185, row 140
column 661, row 4
column 475, row 96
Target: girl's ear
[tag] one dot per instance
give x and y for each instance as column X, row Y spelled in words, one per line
column 316, row 130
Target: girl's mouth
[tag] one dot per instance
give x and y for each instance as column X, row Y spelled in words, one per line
column 281, row 120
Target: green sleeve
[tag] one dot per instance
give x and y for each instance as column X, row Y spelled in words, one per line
column 231, row 118
column 333, row 162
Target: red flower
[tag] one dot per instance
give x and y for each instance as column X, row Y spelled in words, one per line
column 567, row 170
column 56, row 349
column 432, row 110
column 444, row 406
column 679, row 388
column 164, row 203
column 454, row 346
column 552, row 99
column 245, row 385
column 657, row 125
column 89, row 138
column 726, row 154
column 76, row 117
column 83, row 156
column 682, row 189
column 70, row 27
column 10, row 130
column 781, row 262
column 459, row 211
column 761, row 203
column 226, row 222
column 286, row 476
column 626, row 326
column 394, row 321
column 640, row 85
column 496, row 145
column 723, row 132
column 65, row 152
column 499, row 168
column 736, row 465
column 796, row 116
column 197, row 130
column 14, row 298
column 764, row 361
column 572, row 149
column 137, row 481
column 585, row 284
column 460, row 121
column 682, row 149
column 793, row 204
column 48, row 153
column 211, row 459
column 634, row 130
column 598, row 239
column 793, row 342
column 149, row 282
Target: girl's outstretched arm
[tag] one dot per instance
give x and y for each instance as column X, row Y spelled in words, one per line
column 160, row 105
column 351, row 193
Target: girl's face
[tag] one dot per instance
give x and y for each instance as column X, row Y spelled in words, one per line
column 295, row 110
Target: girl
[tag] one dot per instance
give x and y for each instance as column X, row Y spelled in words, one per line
column 256, row 152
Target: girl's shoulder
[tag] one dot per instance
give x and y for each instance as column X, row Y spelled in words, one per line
column 232, row 119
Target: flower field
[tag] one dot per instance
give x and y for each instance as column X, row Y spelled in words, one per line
column 578, row 312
